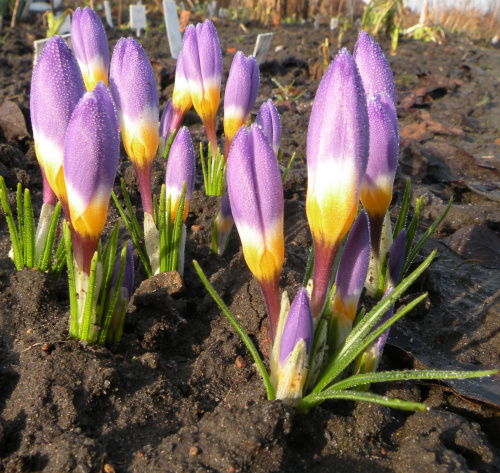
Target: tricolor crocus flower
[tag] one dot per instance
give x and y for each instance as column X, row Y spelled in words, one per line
column 181, row 96
column 90, row 45
column 202, row 65
column 223, row 224
column 337, row 155
column 256, row 196
column 56, row 88
column 376, row 190
column 349, row 281
column 181, row 168
column 368, row 361
column 269, row 120
column 374, row 68
column 134, row 91
column 91, row 155
column 242, row 88
column 166, row 120
column 295, row 348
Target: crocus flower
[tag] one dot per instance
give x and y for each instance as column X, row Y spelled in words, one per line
column 56, row 88
column 337, row 155
column 374, row 68
column 134, row 91
column 90, row 45
column 181, row 96
column 223, row 224
column 202, row 64
column 371, row 356
column 256, row 196
column 295, row 348
column 242, row 88
column 376, row 190
column 91, row 155
column 349, row 281
column 269, row 120
column 181, row 168
column 166, row 120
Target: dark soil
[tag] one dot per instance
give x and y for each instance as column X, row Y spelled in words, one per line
column 180, row 392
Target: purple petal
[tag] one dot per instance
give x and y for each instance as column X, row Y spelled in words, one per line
column 374, row 68
column 298, row 326
column 353, row 265
column 166, row 120
column 91, row 152
column 397, row 257
column 191, row 58
column 268, row 118
column 90, row 45
column 210, row 53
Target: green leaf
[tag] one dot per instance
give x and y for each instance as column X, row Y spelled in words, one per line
column 29, row 231
column 403, row 213
column 48, row 245
column 73, row 302
column 14, row 235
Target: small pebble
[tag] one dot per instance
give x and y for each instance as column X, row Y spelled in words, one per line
column 194, row 451
column 240, row 362
column 45, row 347
column 195, row 228
column 109, row 468
column 29, row 331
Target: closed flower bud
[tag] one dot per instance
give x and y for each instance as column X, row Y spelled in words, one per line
column 242, row 88
column 181, row 96
column 223, row 224
column 133, row 86
column 56, row 88
column 269, row 120
column 91, row 155
column 256, row 196
column 337, row 155
column 90, row 45
column 165, row 122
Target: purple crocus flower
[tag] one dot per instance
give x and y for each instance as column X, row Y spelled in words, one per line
column 202, row 66
column 181, row 96
column 223, row 224
column 376, row 190
column 269, row 120
column 350, row 280
column 374, row 68
column 242, row 88
column 91, row 155
column 56, row 88
column 298, row 326
column 133, row 86
column 90, row 45
column 165, row 122
column 256, row 196
column 181, row 168
column 337, row 156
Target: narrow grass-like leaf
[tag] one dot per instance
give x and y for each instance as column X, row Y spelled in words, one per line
column 312, row 399
column 14, row 235
column 176, row 236
column 204, row 169
column 88, row 311
column 29, row 231
column 73, row 302
column 403, row 213
column 246, row 339
column 357, row 339
column 285, row 173
column 169, row 144
column 43, row 263
column 412, row 227
column 309, row 267
column 60, row 259
column 163, row 220
column 130, row 209
column 425, row 237
column 155, row 211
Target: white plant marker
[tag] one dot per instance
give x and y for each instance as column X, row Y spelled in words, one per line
column 182, row 6
column 334, row 23
column 212, row 6
column 138, row 17
column 262, row 46
column 40, row 44
column 173, row 28
column 107, row 12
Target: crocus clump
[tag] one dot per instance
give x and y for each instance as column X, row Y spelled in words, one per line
column 202, row 67
column 256, row 196
column 337, row 156
column 242, row 88
column 90, row 45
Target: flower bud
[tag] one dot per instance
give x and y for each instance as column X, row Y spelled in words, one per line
column 181, row 96
column 269, row 120
column 165, row 122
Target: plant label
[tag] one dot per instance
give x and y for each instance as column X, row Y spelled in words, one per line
column 173, row 28
column 40, row 44
column 212, row 6
column 334, row 23
column 182, row 6
column 222, row 13
column 138, row 18
column 107, row 12
column 262, row 46
column 65, row 27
